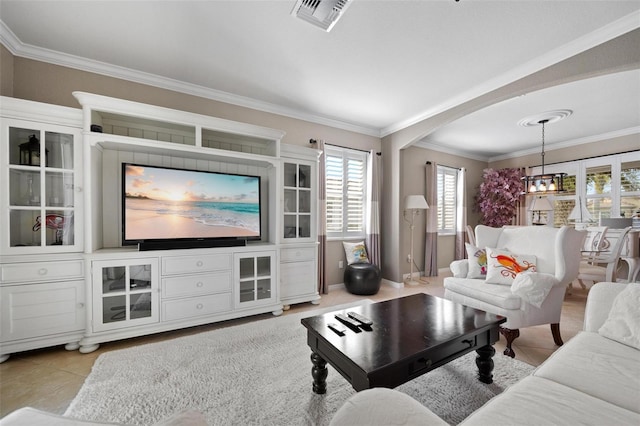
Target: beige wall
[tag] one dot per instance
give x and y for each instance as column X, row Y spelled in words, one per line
column 616, row 55
column 38, row 81
column 43, row 82
column 593, row 149
column 6, row 72
column 413, row 181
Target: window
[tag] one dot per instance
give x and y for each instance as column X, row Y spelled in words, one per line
column 629, row 188
column 447, row 187
column 346, row 187
column 599, row 190
column 607, row 186
column 563, row 204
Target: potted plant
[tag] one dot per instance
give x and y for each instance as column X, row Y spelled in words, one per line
column 498, row 196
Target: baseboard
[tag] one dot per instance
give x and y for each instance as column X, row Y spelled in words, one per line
column 392, row 283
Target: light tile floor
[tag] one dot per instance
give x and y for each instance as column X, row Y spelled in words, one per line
column 49, row 379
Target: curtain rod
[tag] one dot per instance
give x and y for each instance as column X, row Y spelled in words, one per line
column 338, row 146
column 443, row 165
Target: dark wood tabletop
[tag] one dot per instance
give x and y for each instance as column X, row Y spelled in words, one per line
column 410, row 336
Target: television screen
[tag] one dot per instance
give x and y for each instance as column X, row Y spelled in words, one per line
column 161, row 203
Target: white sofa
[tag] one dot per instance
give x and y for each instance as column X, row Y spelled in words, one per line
column 591, row 380
column 557, row 260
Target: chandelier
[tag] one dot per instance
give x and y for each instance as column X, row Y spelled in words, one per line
column 545, row 183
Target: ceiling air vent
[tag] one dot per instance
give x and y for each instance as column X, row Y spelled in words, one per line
column 321, row 13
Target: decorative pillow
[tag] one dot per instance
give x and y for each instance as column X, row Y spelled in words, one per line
column 502, row 266
column 477, row 261
column 623, row 323
column 533, row 287
column 355, row 252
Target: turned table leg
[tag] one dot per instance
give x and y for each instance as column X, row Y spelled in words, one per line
column 484, row 361
column 319, row 373
column 510, row 335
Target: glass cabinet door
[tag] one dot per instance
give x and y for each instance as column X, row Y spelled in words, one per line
column 42, row 179
column 297, row 201
column 126, row 293
column 255, row 272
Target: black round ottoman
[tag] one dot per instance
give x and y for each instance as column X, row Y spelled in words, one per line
column 362, row 278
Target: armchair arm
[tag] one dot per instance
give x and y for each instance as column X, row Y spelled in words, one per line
column 599, row 301
column 460, row 268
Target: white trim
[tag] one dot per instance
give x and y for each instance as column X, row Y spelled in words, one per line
column 601, row 35
column 426, row 144
column 17, row 48
column 570, row 143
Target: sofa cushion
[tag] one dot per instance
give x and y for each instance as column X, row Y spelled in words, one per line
column 477, row 261
column 380, row 406
column 533, row 287
column 538, row 401
column 355, row 252
column 503, row 266
column 493, row 294
column 599, row 367
column 623, row 322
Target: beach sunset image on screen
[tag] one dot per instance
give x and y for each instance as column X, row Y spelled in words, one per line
column 165, row 203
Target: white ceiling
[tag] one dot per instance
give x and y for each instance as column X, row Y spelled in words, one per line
column 384, row 65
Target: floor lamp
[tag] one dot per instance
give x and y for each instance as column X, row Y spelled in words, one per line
column 412, row 205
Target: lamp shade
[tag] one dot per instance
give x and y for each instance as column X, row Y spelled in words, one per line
column 540, row 204
column 415, row 202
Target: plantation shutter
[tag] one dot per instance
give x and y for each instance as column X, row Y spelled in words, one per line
column 346, row 173
column 334, row 191
column 355, row 195
column 447, row 200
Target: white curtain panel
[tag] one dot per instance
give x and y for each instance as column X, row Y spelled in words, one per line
column 374, row 171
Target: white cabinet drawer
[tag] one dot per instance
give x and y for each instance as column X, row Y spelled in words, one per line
column 295, row 254
column 192, row 264
column 197, row 306
column 192, row 285
column 42, row 271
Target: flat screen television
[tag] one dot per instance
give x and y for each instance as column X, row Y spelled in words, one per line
column 164, row 208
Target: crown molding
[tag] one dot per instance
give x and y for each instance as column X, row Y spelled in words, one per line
column 17, row 48
column 569, row 143
column 599, row 36
column 425, row 144
column 610, row 31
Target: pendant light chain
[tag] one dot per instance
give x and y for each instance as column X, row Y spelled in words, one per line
column 543, row 123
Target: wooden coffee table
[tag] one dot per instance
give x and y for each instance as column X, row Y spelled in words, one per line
column 410, row 336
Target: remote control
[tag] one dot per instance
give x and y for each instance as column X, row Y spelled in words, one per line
column 339, row 329
column 364, row 320
column 348, row 321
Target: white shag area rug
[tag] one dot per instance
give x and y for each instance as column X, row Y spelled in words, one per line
column 258, row 374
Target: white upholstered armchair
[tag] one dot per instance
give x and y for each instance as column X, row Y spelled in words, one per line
column 508, row 285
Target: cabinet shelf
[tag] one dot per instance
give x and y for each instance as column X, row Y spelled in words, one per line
column 136, row 145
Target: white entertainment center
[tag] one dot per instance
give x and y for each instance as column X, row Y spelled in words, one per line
column 66, row 279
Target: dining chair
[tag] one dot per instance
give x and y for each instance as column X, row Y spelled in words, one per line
column 603, row 265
